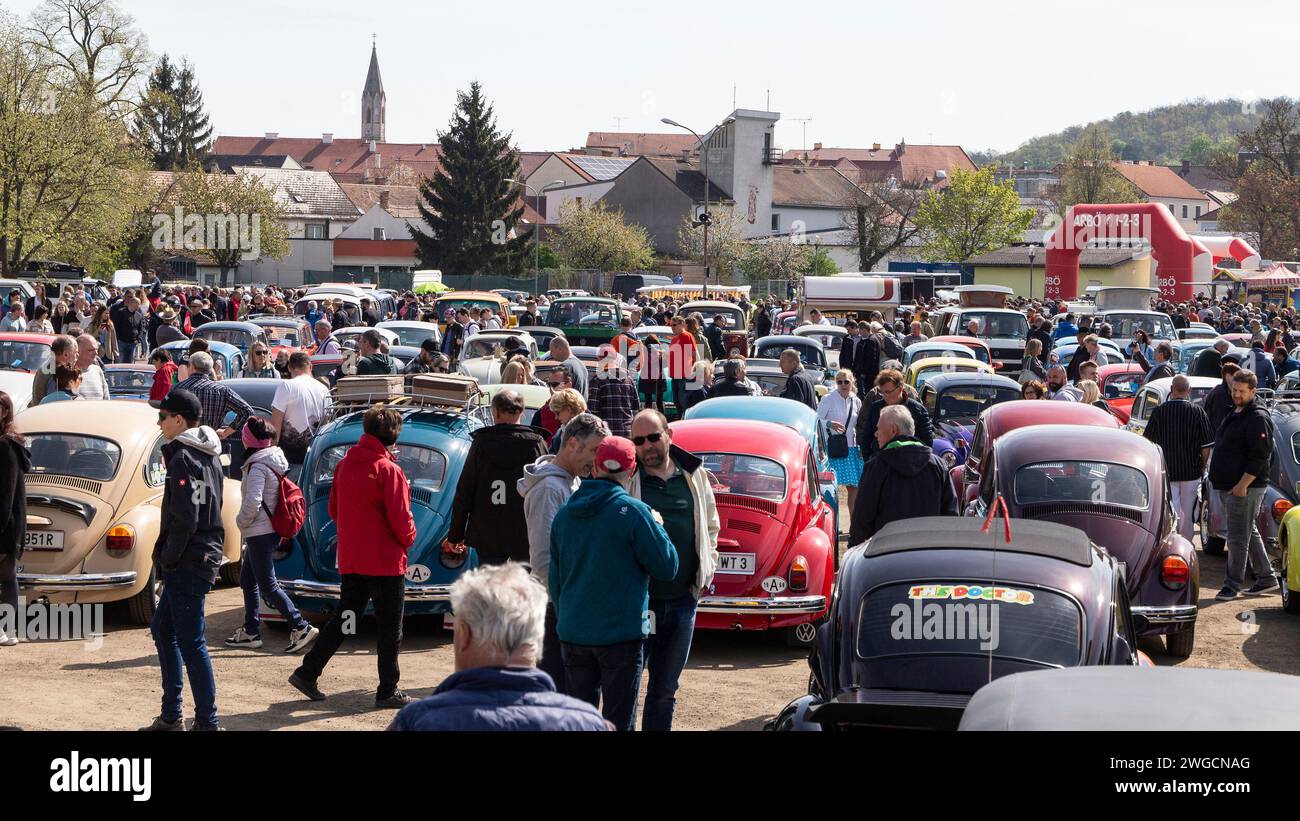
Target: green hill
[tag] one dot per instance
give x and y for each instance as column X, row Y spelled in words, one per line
column 1193, row 130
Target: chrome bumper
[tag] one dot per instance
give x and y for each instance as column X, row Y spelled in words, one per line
column 781, row 605
column 76, row 582
column 330, row 590
column 1171, row 614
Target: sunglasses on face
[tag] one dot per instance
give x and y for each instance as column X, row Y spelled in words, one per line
column 841, row 381
column 649, row 437
column 163, row 416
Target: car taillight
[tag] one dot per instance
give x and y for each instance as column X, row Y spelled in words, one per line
column 1280, row 507
column 1174, row 572
column 799, row 573
column 121, row 538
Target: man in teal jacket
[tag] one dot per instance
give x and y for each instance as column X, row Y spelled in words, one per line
column 605, row 548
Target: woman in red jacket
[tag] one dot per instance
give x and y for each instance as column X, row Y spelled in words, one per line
column 370, row 503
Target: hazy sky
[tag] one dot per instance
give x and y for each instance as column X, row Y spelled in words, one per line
column 984, row 75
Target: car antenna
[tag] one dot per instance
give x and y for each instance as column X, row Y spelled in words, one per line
column 999, row 503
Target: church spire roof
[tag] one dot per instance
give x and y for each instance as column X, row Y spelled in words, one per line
column 374, row 83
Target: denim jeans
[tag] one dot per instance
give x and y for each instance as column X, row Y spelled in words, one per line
column 126, row 352
column 552, row 663
column 612, row 672
column 356, row 591
column 1244, row 542
column 179, row 632
column 666, row 652
column 257, row 576
column 679, row 396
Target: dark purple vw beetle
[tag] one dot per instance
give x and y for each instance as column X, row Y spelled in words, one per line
column 1110, row 484
column 929, row 610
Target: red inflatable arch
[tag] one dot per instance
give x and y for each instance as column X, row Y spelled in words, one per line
column 1171, row 248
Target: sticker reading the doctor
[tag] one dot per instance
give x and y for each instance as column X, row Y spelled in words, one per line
column 971, row 590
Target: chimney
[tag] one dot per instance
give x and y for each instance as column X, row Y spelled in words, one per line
column 817, row 146
column 273, row 135
column 327, row 138
column 379, row 161
column 383, row 200
column 686, row 155
column 372, row 146
column 875, row 146
column 1187, row 166
column 899, row 148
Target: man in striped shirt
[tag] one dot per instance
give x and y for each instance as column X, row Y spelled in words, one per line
column 1183, row 432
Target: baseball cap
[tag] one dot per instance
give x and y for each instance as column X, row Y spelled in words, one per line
column 184, row 403
column 429, row 345
column 615, row 454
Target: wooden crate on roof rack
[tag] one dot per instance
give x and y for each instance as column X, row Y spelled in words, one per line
column 445, row 389
column 367, row 390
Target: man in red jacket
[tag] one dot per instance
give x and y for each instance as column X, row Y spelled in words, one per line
column 370, row 505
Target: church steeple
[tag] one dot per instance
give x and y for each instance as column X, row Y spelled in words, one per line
column 373, row 101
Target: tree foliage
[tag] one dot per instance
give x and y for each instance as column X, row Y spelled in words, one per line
column 727, row 245
column 93, row 46
column 972, row 216
column 1264, row 178
column 775, row 258
column 593, row 236
column 1089, row 175
column 880, row 218
column 207, row 204
column 170, row 121
column 470, row 206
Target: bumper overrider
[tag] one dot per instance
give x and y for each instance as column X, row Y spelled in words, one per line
column 332, row 590
column 1167, row 614
column 76, row 582
column 757, row 605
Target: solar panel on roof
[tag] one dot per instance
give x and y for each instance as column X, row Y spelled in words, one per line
column 602, row 168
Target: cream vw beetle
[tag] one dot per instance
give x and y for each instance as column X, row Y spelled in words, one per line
column 94, row 502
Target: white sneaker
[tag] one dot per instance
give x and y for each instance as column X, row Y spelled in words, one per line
column 299, row 639
column 7, row 641
column 240, row 638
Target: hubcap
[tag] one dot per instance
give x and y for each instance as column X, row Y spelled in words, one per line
column 805, row 632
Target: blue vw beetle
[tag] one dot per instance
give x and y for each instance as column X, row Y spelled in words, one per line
column 431, row 451
column 955, row 401
column 786, row 412
column 226, row 358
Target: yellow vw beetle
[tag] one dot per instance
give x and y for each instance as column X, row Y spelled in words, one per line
column 923, row 369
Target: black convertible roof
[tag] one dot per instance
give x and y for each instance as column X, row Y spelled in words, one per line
column 1035, row 538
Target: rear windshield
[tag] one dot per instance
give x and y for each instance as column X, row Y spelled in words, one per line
column 963, row 405
column 746, row 475
column 1124, row 326
column 86, row 457
column 23, row 356
column 1119, row 387
column 128, row 381
column 810, row 356
column 996, row 324
column 278, row 335
column 239, row 339
column 1099, row 483
column 970, row 617
column 590, row 314
column 425, row 468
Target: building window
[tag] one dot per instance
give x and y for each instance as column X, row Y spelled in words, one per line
column 776, row 223
column 1198, row 212
column 1172, row 210
column 379, row 232
column 1184, row 212
column 316, row 230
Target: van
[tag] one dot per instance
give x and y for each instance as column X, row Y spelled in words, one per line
column 625, row 285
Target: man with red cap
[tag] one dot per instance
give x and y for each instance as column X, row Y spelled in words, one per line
column 606, row 546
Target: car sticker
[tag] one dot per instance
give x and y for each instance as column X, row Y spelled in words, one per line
column 971, row 590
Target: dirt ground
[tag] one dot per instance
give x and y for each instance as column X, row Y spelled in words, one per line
column 734, row 681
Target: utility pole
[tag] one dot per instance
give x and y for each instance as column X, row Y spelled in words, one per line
column 804, row 121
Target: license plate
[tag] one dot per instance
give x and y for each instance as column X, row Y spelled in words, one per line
column 741, row 564
column 44, row 540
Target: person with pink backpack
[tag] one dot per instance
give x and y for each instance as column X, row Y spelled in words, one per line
column 272, row 509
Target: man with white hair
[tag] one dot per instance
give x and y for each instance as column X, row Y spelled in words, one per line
column 497, row 643
column 94, row 384
column 903, row 481
column 325, row 345
column 216, row 398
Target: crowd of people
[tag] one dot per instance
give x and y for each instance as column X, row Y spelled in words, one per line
column 595, row 534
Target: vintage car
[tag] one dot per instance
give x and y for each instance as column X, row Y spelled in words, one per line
column 470, row 300
column 587, row 320
column 129, row 381
column 1288, row 528
column 227, row 360
column 243, row 335
column 347, row 337
column 1008, row 416
column 1150, row 699
column 260, row 394
column 1063, row 352
column 410, row 332
column 976, row 346
column 1111, row 485
column 484, row 354
column 831, row 337
column 922, row 369
column 767, row 374
column 1119, row 386
column 93, row 505
column 786, row 322
column 811, row 353
column 350, row 298
column 777, row 545
column 286, row 333
column 931, row 350
column 735, row 336
column 23, row 351
column 909, row 637
column 1197, row 330
column 431, row 451
column 542, row 335
column 18, row 384
column 1157, row 391
column 955, row 401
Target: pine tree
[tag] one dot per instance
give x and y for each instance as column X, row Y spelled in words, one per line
column 194, row 134
column 170, row 121
column 469, row 207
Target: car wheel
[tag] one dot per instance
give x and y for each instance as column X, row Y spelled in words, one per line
column 230, row 572
column 1180, row 644
column 144, row 604
column 1290, row 598
column 801, row 635
column 1212, row 545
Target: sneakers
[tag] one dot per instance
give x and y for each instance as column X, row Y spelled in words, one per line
column 299, row 639
column 1267, row 584
column 396, row 701
column 161, row 724
column 211, row 728
column 241, row 638
column 307, row 687
column 7, row 641
column 1226, row 594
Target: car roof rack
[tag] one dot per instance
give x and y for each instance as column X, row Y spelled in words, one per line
column 450, row 393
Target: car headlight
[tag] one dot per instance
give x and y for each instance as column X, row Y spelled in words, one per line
column 950, row 458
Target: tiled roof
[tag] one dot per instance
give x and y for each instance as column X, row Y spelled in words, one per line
column 810, row 186
column 687, row 176
column 306, row 194
column 635, row 144
column 1201, row 177
column 225, row 162
column 530, row 161
column 1157, row 181
column 906, row 163
column 402, row 199
column 1015, row 257
column 349, row 160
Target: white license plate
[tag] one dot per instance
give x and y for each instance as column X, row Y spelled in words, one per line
column 741, row 564
column 44, row 540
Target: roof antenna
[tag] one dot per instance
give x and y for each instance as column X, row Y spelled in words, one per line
column 999, row 503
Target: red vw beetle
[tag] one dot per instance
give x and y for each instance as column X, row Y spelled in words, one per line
column 776, row 547
column 1119, row 387
column 1005, row 417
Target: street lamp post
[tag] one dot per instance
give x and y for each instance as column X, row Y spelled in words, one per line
column 536, row 240
column 705, row 217
column 1033, row 249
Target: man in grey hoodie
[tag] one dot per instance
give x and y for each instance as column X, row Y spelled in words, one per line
column 546, row 486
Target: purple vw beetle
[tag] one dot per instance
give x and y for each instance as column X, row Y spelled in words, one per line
column 1111, row 485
